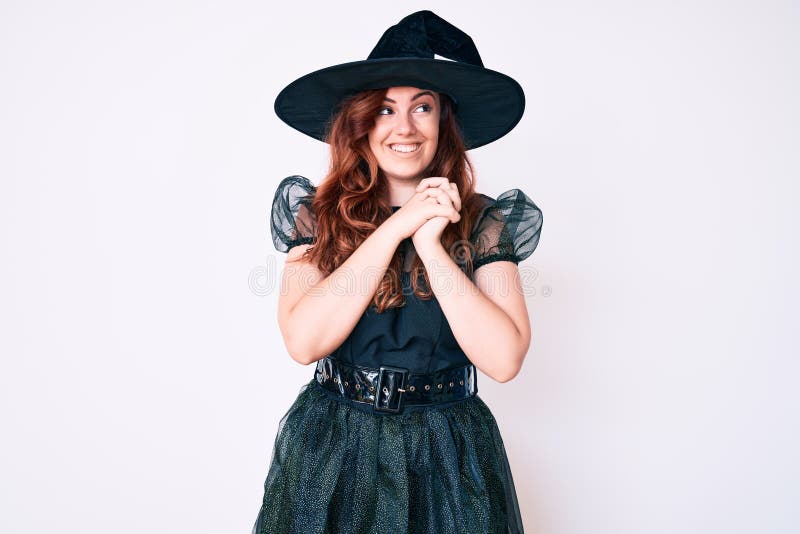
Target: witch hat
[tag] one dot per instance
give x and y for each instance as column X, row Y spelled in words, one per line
column 488, row 104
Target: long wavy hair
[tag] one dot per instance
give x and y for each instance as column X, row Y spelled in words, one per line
column 349, row 203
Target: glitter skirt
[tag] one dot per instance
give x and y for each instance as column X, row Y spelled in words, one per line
column 338, row 468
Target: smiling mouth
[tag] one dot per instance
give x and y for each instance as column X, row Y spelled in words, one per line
column 404, row 149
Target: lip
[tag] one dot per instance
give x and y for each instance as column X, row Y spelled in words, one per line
column 404, row 154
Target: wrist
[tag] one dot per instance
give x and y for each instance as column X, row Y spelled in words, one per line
column 429, row 251
column 387, row 233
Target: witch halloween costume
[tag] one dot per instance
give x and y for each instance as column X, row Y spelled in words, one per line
column 390, row 436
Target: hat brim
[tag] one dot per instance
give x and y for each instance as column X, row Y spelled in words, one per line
column 489, row 104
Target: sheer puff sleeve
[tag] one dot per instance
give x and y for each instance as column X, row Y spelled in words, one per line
column 508, row 229
column 292, row 220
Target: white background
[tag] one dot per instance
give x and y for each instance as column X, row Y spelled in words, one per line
column 143, row 374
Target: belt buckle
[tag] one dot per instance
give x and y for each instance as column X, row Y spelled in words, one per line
column 394, row 385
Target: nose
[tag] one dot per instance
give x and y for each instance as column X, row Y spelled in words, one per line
column 405, row 124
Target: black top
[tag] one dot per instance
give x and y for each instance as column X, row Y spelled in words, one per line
column 417, row 334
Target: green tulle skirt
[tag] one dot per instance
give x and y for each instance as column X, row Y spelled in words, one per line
column 337, row 467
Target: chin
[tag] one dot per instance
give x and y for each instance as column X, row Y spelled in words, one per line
column 403, row 174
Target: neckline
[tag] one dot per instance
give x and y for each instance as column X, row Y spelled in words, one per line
column 395, row 208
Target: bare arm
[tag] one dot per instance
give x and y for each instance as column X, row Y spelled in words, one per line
column 489, row 318
column 315, row 313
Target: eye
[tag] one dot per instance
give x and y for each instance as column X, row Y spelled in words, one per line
column 386, row 108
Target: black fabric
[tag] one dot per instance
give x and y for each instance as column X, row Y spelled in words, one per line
column 416, row 335
column 508, row 230
column 424, row 34
column 336, row 469
column 292, row 219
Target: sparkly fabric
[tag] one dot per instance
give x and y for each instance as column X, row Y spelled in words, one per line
column 338, row 468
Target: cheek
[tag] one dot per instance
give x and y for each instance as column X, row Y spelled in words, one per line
column 376, row 136
column 433, row 131
column 432, row 152
column 433, row 139
column 374, row 145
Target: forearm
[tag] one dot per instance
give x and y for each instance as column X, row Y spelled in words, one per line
column 488, row 336
column 324, row 316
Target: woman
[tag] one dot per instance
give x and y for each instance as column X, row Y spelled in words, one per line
column 388, row 289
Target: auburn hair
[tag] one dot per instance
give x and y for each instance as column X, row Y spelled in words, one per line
column 349, row 203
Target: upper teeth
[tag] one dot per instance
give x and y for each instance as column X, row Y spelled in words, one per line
column 405, row 148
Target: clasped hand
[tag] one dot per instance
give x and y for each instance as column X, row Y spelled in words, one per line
column 424, row 217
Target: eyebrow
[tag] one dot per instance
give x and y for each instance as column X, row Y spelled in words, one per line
column 415, row 96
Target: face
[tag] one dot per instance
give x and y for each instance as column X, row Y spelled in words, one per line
column 406, row 132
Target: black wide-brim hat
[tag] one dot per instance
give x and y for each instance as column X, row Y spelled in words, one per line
column 488, row 104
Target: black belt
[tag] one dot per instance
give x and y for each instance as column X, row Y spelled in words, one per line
column 388, row 388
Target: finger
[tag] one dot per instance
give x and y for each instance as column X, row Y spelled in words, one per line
column 446, row 185
column 448, row 212
column 445, row 208
column 451, row 194
column 452, row 190
column 441, row 195
column 428, row 194
column 432, row 181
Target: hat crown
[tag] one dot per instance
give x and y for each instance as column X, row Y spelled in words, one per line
column 423, row 34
